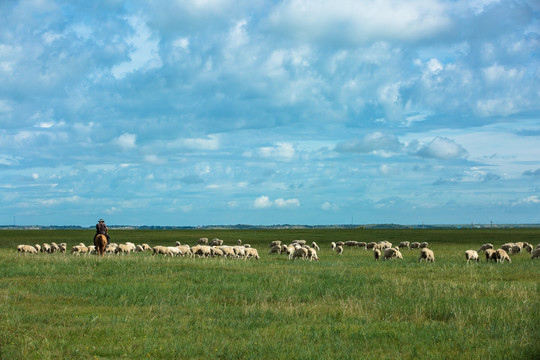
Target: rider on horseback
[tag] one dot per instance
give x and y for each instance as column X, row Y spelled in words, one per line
column 101, row 228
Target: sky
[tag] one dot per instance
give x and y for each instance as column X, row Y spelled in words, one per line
column 206, row 112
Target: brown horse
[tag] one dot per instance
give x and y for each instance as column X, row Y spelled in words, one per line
column 101, row 243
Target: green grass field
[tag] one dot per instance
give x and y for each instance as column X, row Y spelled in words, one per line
column 59, row 306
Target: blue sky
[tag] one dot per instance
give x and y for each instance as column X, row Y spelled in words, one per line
column 205, row 112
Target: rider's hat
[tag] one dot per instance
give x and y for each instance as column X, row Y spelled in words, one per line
column 101, row 220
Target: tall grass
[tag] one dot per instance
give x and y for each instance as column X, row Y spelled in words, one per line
column 342, row 307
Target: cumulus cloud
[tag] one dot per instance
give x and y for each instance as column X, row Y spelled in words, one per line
column 264, row 202
column 212, row 142
column 126, row 141
column 441, row 148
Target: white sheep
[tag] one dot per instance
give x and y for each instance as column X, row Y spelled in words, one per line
column 239, row 242
column 146, row 247
column 62, row 247
column 414, row 245
column 507, row 247
column 46, row 248
column 315, row 246
column 251, row 253
column 485, row 247
column 350, row 243
column 392, row 253
column 38, row 247
column 228, row 252
column 216, row 251
column 426, row 254
column 123, row 248
column 27, row 249
column 370, row 245
column 502, row 255
column 361, row 244
column 301, row 242
column 406, row 244
column 275, row 243
column 528, row 248
column 216, row 242
column 202, row 241
column 300, row 253
column 535, row 253
column 377, row 254
column 78, row 250
column 491, row 255
column 333, row 245
column 54, row 247
column 339, row 249
column 471, row 255
column 312, row 254
column 162, row 250
column 275, row 250
column 424, row 245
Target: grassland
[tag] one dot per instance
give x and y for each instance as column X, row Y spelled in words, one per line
column 58, row 306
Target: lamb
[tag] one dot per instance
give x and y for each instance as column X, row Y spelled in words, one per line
column 339, row 249
column 27, row 249
column 471, row 255
column 392, row 253
column 536, row 253
column 275, row 250
column 490, row 255
column 315, row 246
column 485, row 247
column 423, row 245
column 252, row 253
column 414, row 245
column 406, row 244
column 502, row 255
column 377, row 254
column 426, row 254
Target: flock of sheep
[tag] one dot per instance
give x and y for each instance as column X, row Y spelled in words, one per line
column 203, row 248
column 297, row 249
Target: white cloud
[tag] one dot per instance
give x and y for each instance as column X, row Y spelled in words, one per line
column 262, row 202
column 329, row 206
column 441, row 148
column 212, row 142
column 126, row 141
column 281, row 150
column 371, row 142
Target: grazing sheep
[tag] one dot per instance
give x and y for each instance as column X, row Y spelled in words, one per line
column 290, row 251
column 252, row 253
column 379, row 246
column 62, row 247
column 507, row 247
column 361, row 244
column 275, row 250
column 385, row 244
column 111, row 248
column 240, row 251
column 485, row 247
column 315, row 246
column 377, row 254
column 247, row 246
column 239, row 242
column 471, row 255
column 54, row 247
column 516, row 249
column 203, row 251
column 300, row 253
column 228, row 252
column 78, row 250
column 339, row 249
column 216, row 251
column 392, row 253
column 333, row 245
column 340, row 243
column 38, row 247
column 216, row 242
column 528, row 248
column 370, row 245
column 275, row 243
column 312, row 254
column 350, row 243
column 46, row 248
column 202, row 241
column 27, row 249
column 414, row 245
column 162, row 250
column 423, row 245
column 536, row 253
column 139, row 248
column 123, row 248
column 502, row 255
column 406, row 244
column 146, row 247
column 426, row 254
column 490, row 255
